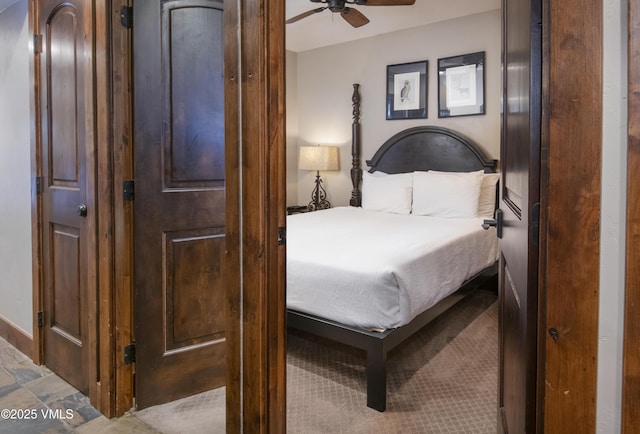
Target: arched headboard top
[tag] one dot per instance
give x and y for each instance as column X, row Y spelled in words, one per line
column 430, row 148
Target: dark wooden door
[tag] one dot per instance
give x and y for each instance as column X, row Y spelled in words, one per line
column 179, row 205
column 520, row 161
column 68, row 208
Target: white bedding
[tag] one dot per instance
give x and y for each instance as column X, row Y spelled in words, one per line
column 379, row 270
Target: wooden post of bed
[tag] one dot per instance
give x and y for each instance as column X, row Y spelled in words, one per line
column 356, row 172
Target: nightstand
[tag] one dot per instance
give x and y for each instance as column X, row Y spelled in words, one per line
column 297, row 209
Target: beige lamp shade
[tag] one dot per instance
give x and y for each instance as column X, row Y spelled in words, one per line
column 318, row 158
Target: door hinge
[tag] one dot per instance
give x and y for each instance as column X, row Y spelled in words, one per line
column 130, row 353
column 37, row 44
column 535, row 223
column 38, row 184
column 128, row 190
column 126, row 16
column 40, row 320
column 282, row 235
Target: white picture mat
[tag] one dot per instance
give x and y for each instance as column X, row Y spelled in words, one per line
column 406, row 91
column 461, row 86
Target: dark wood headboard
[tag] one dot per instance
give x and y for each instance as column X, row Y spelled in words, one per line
column 416, row 149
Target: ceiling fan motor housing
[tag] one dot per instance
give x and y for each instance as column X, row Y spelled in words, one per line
column 340, row 5
column 336, row 5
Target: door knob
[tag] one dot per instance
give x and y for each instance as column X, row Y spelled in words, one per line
column 82, row 210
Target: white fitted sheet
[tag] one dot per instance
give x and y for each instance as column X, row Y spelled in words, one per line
column 378, row 270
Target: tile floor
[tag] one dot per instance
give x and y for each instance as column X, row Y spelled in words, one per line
column 39, row 402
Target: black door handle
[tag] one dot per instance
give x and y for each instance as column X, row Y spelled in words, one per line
column 497, row 223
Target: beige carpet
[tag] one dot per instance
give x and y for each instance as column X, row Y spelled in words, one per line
column 442, row 380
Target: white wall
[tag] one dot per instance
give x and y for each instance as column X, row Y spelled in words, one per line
column 292, row 127
column 613, row 223
column 15, row 161
column 326, row 75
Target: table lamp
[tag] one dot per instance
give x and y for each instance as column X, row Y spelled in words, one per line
column 318, row 158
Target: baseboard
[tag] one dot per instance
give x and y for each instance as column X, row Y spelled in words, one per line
column 16, row 337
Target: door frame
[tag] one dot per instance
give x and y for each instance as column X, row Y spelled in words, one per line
column 570, row 215
column 631, row 353
column 256, row 397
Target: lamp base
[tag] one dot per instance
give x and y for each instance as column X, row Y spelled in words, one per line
column 318, row 196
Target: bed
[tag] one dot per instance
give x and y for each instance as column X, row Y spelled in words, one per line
column 372, row 274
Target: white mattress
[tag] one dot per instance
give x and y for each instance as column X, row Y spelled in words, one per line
column 378, row 270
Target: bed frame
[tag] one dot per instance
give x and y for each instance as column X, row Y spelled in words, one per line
column 419, row 148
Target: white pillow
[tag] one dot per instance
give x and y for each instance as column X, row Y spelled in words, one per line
column 487, row 201
column 387, row 193
column 446, row 194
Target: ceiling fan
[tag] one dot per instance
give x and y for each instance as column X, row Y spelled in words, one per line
column 351, row 15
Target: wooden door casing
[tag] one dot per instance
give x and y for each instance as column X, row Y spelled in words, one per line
column 631, row 362
column 570, row 216
column 67, row 182
column 179, row 206
column 256, row 393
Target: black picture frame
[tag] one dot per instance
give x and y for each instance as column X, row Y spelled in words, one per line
column 461, row 85
column 407, row 90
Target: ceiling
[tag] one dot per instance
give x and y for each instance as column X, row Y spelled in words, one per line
column 327, row 28
column 4, row 4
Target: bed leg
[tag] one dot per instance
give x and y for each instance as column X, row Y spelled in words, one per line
column 377, row 379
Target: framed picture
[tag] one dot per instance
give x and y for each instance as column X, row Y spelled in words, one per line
column 461, row 85
column 407, row 90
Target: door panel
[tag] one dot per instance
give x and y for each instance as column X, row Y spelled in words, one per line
column 179, row 207
column 520, row 161
column 190, row 319
column 513, row 354
column 65, row 258
column 67, row 146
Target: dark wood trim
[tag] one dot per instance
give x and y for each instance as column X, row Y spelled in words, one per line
column 94, row 127
column 571, row 221
column 36, row 202
column 356, row 149
column 114, row 165
column 16, row 337
column 631, row 354
column 121, row 295
column 233, row 228
column 104, row 193
column 263, row 208
column 544, row 199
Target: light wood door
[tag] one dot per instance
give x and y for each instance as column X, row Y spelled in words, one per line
column 68, row 208
column 179, row 205
column 520, row 160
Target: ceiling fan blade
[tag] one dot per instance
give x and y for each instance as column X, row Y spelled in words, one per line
column 304, row 15
column 354, row 17
column 385, row 2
